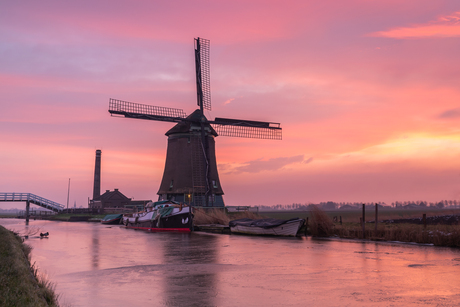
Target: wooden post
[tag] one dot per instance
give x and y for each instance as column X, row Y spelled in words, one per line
column 306, row 226
column 27, row 211
column 424, row 220
column 364, row 221
column 376, row 216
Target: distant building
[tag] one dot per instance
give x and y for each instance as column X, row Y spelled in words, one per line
column 116, row 201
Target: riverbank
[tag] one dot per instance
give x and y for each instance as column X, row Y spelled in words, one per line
column 19, row 283
column 442, row 227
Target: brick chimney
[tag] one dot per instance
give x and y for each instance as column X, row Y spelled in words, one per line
column 97, row 176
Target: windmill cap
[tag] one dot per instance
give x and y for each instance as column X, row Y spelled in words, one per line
column 194, row 120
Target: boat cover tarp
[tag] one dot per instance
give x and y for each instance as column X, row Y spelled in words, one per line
column 162, row 212
column 112, row 216
column 162, row 202
column 263, row 223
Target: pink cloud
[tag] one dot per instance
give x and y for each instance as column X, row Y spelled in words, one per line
column 450, row 114
column 260, row 165
column 444, row 26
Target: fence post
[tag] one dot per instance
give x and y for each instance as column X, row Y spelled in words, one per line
column 376, row 217
column 306, row 226
column 364, row 221
column 424, row 220
column 27, row 211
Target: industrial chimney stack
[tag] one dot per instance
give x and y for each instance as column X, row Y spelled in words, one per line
column 97, row 176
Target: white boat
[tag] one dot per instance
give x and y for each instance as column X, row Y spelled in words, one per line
column 161, row 216
column 271, row 227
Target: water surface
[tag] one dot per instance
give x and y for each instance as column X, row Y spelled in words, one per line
column 98, row 265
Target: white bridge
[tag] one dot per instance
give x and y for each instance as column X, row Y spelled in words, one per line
column 30, row 198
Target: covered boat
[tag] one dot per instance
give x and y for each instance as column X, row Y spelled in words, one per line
column 161, row 216
column 273, row 227
column 112, row 219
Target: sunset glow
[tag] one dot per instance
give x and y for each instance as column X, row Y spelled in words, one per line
column 367, row 94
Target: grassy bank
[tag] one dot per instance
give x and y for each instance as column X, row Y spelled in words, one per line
column 19, row 283
column 69, row 216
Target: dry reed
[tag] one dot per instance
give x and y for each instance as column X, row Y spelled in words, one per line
column 210, row 216
column 219, row 216
column 321, row 224
column 439, row 235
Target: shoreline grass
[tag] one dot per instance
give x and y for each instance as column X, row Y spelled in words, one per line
column 220, row 216
column 20, row 283
column 353, row 216
column 321, row 225
column 438, row 235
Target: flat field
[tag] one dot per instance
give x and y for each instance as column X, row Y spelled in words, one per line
column 353, row 216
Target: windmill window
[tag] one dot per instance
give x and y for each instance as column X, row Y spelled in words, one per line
column 214, row 184
column 171, row 184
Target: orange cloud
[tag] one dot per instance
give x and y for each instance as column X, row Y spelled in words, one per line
column 260, row 165
column 229, row 101
column 445, row 26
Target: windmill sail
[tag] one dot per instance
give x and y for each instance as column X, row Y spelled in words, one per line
column 247, row 128
column 143, row 111
column 203, row 83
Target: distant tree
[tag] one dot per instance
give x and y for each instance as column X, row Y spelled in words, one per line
column 329, row 205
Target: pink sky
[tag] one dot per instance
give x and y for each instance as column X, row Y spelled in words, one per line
column 367, row 94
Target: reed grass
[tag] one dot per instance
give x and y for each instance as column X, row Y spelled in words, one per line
column 210, row 216
column 320, row 224
column 438, row 235
column 352, row 216
column 20, row 283
column 220, row 216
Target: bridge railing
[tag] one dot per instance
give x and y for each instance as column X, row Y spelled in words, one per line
column 49, row 204
column 14, row 196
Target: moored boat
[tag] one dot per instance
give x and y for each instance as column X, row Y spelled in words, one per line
column 270, row 227
column 161, row 216
column 112, row 219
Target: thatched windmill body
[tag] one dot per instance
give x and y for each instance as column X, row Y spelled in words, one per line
column 190, row 173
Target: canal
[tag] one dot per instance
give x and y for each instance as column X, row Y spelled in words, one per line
column 97, row 265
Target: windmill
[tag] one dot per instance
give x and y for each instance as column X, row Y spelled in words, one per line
column 190, row 173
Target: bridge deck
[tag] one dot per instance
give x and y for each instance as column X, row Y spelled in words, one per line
column 31, row 198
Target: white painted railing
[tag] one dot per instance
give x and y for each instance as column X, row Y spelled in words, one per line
column 35, row 199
